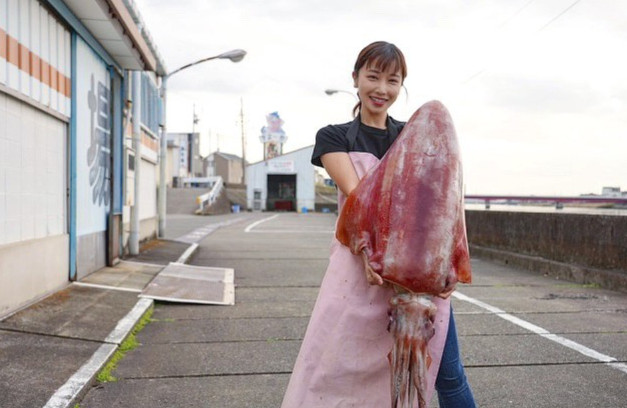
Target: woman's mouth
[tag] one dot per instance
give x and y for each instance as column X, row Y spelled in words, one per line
column 378, row 101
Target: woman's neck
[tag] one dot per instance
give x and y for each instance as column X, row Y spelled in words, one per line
column 378, row 121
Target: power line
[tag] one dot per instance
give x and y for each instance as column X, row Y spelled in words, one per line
column 480, row 72
column 559, row 15
column 504, row 23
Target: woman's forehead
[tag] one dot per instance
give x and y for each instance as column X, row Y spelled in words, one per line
column 391, row 67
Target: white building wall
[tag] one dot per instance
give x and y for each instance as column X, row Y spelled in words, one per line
column 33, row 181
column 35, row 56
column 257, row 178
column 33, row 204
column 148, row 190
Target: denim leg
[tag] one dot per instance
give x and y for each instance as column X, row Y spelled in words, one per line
column 451, row 384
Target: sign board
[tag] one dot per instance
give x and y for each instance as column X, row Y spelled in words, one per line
column 281, row 166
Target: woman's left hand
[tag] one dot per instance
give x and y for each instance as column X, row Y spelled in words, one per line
column 372, row 277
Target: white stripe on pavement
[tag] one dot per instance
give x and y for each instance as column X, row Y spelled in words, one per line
column 106, row 287
column 125, row 325
column 254, row 224
column 188, row 252
column 303, row 231
column 69, row 391
column 586, row 351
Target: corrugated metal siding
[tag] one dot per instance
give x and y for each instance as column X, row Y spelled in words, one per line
column 35, row 54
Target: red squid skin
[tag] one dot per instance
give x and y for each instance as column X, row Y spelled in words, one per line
column 407, row 213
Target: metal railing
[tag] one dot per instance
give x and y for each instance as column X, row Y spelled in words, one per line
column 207, row 199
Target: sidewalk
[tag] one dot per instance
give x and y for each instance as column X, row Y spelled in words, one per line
column 50, row 351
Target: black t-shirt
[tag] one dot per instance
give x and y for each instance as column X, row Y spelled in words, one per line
column 332, row 138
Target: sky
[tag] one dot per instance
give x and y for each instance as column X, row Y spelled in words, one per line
column 537, row 89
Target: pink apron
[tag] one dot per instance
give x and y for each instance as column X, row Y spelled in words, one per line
column 343, row 358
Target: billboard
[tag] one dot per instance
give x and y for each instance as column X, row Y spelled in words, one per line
column 273, row 136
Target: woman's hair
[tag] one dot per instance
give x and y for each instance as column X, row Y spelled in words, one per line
column 382, row 56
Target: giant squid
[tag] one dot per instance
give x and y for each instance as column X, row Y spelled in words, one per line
column 406, row 217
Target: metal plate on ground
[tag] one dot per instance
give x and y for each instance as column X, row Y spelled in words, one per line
column 183, row 283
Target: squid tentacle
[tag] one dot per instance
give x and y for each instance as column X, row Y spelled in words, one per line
column 411, row 325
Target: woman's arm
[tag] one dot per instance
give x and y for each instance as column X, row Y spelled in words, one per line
column 340, row 168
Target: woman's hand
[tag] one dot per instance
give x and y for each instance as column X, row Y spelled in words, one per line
column 447, row 294
column 372, row 277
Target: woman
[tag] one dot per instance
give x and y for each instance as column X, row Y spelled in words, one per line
column 343, row 358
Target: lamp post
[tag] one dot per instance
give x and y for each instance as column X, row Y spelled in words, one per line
column 233, row 55
column 334, row 91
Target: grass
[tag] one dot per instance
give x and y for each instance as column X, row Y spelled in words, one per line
column 130, row 343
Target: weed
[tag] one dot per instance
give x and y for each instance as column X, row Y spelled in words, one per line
column 130, row 343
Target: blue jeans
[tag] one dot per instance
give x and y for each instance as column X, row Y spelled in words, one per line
column 451, row 384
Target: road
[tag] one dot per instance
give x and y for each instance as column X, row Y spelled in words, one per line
column 527, row 340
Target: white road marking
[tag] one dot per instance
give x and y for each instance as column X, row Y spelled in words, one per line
column 107, row 287
column 586, row 351
column 64, row 397
column 254, row 224
column 70, row 390
column 188, row 252
column 125, row 325
column 292, row 232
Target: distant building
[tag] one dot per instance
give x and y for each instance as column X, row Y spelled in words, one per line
column 283, row 183
column 611, row 192
column 183, row 158
column 228, row 166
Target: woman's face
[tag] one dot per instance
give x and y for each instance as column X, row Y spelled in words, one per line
column 377, row 89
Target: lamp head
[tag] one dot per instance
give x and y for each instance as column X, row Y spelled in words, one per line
column 233, row 55
column 330, row 91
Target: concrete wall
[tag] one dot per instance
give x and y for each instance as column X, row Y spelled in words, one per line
column 26, row 277
column 586, row 248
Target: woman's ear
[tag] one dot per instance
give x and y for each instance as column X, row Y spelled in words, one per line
column 354, row 79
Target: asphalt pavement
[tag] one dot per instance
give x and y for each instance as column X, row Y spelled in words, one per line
column 527, row 340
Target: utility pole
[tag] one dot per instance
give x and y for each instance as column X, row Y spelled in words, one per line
column 241, row 120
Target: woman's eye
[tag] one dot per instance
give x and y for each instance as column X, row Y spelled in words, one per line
column 372, row 77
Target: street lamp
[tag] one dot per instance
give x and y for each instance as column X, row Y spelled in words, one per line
column 233, row 55
column 334, row 91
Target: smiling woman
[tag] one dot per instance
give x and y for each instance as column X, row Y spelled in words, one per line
column 343, row 358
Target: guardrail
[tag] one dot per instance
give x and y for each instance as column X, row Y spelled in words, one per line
column 558, row 200
column 207, row 199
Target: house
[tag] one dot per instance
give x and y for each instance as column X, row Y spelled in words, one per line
column 226, row 165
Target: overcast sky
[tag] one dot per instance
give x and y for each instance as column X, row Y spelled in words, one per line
column 537, row 89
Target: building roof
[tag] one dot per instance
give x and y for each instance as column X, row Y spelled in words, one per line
column 284, row 154
column 227, row 156
column 112, row 24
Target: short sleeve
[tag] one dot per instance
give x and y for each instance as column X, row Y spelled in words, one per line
column 329, row 139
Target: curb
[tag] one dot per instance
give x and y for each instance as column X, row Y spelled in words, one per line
column 77, row 386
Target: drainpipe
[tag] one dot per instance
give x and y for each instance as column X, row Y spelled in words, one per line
column 133, row 241
column 163, row 150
